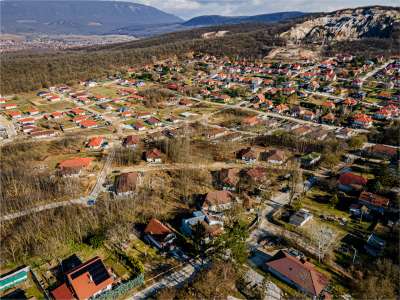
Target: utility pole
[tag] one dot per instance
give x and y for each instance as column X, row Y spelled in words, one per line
column 355, row 254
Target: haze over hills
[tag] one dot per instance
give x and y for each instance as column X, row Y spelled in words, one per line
column 77, row 17
column 107, row 17
column 212, row 20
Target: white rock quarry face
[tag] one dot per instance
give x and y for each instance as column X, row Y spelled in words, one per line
column 344, row 25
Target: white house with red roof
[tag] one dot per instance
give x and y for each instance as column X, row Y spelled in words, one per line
column 95, row 142
column 362, row 120
column 350, row 181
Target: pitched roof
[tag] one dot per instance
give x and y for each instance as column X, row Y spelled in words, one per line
column 95, row 141
column 276, row 154
column 131, row 140
column 89, row 278
column 383, row 149
column 303, row 273
column 229, row 176
column 218, row 198
column 126, row 182
column 62, row 293
column 374, row 199
column 329, row 117
column 350, row 178
column 153, row 153
column 256, row 173
column 247, row 153
column 88, row 123
column 155, row 227
column 78, row 162
column 350, row 101
column 363, row 118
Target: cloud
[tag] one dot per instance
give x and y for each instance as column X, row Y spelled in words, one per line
column 192, row 8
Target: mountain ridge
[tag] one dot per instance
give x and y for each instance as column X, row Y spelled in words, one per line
column 77, row 17
column 212, row 20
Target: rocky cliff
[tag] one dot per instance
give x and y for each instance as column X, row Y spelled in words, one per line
column 348, row 24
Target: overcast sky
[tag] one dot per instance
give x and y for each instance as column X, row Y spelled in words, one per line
column 191, row 8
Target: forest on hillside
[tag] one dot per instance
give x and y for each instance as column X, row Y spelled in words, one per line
column 30, row 71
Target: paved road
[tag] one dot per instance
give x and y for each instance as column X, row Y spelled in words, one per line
column 274, row 115
column 374, row 71
column 171, row 280
column 80, row 201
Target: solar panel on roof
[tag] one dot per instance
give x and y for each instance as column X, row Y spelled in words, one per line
column 96, row 269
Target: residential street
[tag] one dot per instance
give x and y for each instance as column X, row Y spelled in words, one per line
column 170, row 280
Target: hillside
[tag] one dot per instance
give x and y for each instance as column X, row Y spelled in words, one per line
column 77, row 17
column 212, row 20
column 348, row 24
column 24, row 72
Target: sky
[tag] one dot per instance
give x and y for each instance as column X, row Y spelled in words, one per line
column 191, row 8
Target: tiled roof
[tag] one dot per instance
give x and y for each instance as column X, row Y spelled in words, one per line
column 300, row 272
column 351, row 178
column 155, row 227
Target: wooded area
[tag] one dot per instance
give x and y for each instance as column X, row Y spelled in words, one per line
column 30, row 71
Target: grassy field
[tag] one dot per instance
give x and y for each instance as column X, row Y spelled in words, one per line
column 104, row 91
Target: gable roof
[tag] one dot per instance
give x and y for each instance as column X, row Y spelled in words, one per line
column 383, row 150
column 131, row 140
column 155, row 227
column 350, row 178
column 89, row 278
column 62, row 293
column 153, row 153
column 276, row 154
column 95, row 141
column 218, row 198
column 126, row 182
column 257, row 173
column 78, row 162
column 229, row 176
column 374, row 199
column 303, row 273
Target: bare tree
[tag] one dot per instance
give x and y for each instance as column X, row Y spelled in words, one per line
column 323, row 238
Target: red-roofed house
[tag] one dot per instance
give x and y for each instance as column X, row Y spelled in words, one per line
column 86, row 281
column 158, row 234
column 217, row 201
column 329, row 118
column 350, row 181
column 251, row 121
column 281, row 108
column 33, row 111
column 88, row 124
column 373, row 201
column 78, row 111
column 131, row 141
column 297, row 272
column 14, row 114
column 362, row 120
column 328, row 105
column 8, row 106
column 74, row 166
column 56, row 115
column 349, row 102
column 63, row 292
column 383, row 114
column 382, row 151
column 153, row 156
column 229, row 178
column 95, row 143
column 27, row 121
